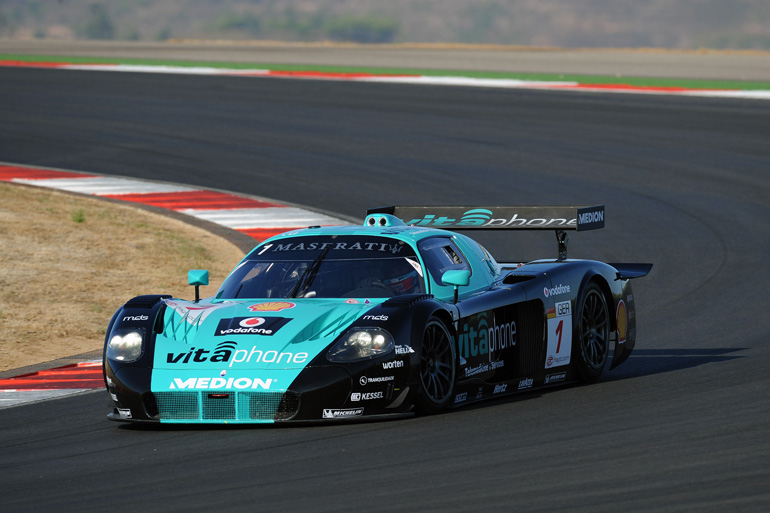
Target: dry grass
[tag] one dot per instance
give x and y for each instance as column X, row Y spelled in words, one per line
column 67, row 262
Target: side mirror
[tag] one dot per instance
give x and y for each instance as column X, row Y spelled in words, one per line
column 197, row 277
column 457, row 278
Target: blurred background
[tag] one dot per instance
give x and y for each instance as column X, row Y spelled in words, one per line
column 678, row 24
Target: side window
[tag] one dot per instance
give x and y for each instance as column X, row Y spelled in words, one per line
column 441, row 255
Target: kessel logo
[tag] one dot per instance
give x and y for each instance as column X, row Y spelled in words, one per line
column 250, row 326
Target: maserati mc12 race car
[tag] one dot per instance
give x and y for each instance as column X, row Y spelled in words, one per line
column 402, row 315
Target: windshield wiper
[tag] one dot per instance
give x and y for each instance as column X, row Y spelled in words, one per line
column 309, row 275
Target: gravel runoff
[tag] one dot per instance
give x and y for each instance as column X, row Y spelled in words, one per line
column 710, row 65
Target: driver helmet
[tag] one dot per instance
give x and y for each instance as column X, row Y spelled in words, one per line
column 401, row 276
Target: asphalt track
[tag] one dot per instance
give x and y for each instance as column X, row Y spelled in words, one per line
column 681, row 426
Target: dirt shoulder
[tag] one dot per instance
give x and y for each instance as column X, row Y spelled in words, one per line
column 67, row 262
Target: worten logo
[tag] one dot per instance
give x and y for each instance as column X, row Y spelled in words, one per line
column 227, row 352
column 485, row 217
column 250, row 326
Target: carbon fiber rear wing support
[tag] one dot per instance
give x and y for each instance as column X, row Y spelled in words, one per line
column 558, row 218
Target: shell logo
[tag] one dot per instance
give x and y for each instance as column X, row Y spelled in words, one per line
column 622, row 316
column 274, row 306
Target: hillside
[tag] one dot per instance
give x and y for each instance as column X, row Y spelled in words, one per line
column 686, row 24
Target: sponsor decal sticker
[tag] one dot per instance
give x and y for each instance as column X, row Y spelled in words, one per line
column 459, row 398
column 363, row 380
column 341, row 414
column 622, row 316
column 273, row 306
column 555, row 378
column 404, row 350
column 135, row 318
column 472, row 371
column 500, row 389
column 477, row 338
column 485, row 217
column 395, row 364
column 353, row 301
column 525, row 383
column 374, row 318
column 243, row 383
column 366, row 396
column 267, row 326
column 559, row 335
column 556, row 291
column 590, row 218
column 227, row 352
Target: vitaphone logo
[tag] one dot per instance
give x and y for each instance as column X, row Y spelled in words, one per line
column 478, row 338
column 484, row 217
column 226, row 352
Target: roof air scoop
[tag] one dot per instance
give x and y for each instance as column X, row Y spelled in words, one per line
column 382, row 220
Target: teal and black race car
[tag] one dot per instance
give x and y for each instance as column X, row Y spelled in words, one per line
column 399, row 316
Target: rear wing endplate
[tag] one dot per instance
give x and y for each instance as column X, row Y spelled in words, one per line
column 558, row 218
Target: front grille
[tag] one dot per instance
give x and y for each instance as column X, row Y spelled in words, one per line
column 218, row 406
column 178, row 405
column 207, row 406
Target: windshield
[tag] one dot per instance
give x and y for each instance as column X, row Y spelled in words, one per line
column 345, row 266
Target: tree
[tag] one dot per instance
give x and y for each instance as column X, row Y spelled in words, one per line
column 98, row 25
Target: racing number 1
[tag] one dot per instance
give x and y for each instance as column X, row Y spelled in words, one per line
column 557, row 334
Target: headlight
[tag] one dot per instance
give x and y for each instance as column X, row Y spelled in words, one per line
column 360, row 344
column 126, row 345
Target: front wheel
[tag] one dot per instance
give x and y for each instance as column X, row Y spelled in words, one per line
column 437, row 368
column 592, row 333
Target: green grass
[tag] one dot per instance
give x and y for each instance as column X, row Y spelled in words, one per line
column 583, row 79
column 78, row 216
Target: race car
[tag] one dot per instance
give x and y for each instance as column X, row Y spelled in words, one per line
column 403, row 315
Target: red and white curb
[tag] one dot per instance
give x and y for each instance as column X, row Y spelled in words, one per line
column 51, row 383
column 258, row 218
column 403, row 79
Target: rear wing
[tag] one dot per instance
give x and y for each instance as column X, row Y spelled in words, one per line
column 501, row 217
column 558, row 218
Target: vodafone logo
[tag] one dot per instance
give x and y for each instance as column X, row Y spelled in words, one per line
column 252, row 322
column 250, row 326
column 557, row 290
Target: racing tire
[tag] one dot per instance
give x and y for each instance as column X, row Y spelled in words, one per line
column 592, row 334
column 438, row 368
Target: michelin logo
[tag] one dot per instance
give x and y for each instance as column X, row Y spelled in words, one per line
column 341, row 414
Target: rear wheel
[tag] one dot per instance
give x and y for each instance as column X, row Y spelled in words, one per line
column 592, row 333
column 437, row 368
